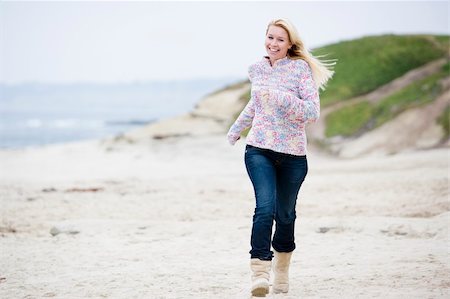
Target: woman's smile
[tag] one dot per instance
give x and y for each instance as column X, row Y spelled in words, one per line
column 277, row 43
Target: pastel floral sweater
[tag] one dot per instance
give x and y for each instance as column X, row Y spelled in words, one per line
column 284, row 98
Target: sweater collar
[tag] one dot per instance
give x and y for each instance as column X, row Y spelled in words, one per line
column 278, row 63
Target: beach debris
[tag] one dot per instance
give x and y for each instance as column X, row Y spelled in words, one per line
column 49, row 294
column 407, row 231
column 325, row 229
column 165, row 136
column 62, row 229
column 51, row 189
column 7, row 228
column 397, row 230
column 90, row 189
column 125, row 138
column 322, row 230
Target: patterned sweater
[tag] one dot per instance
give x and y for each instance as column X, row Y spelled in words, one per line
column 283, row 99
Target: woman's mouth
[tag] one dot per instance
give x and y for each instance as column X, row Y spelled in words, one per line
column 274, row 50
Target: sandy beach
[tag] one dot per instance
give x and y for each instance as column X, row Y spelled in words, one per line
column 171, row 218
column 148, row 200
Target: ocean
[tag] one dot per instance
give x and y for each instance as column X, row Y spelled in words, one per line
column 41, row 114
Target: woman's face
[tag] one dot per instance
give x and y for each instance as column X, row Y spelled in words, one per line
column 277, row 43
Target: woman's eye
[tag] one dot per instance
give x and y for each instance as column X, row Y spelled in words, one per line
column 270, row 37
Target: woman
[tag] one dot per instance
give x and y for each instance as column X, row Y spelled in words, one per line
column 284, row 98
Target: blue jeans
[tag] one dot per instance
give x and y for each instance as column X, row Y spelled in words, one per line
column 276, row 179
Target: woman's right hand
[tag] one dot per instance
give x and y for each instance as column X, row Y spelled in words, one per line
column 232, row 138
column 266, row 104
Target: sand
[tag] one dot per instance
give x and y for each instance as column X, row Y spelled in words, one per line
column 171, row 218
column 165, row 211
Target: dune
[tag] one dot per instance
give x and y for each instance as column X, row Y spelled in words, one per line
column 212, row 115
column 164, row 211
column 412, row 130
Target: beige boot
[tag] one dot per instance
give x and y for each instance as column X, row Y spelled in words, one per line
column 281, row 271
column 260, row 277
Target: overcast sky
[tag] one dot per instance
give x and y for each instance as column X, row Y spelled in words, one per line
column 140, row 41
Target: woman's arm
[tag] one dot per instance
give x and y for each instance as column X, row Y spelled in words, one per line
column 245, row 119
column 243, row 122
column 307, row 107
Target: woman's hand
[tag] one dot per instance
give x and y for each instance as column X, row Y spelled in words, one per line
column 267, row 103
column 265, row 94
column 232, row 138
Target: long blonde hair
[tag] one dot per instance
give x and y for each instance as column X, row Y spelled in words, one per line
column 321, row 69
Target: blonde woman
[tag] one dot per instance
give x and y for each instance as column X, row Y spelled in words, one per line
column 284, row 98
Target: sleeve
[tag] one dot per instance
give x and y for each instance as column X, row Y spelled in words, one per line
column 243, row 122
column 252, row 70
column 309, row 95
column 307, row 107
column 245, row 118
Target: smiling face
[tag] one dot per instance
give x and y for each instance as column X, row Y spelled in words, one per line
column 277, row 43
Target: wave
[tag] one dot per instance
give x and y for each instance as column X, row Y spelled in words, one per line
column 71, row 123
column 132, row 122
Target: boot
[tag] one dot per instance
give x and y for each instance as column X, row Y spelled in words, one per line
column 260, row 277
column 281, row 271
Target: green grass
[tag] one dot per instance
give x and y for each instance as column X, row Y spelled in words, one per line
column 416, row 94
column 352, row 119
column 444, row 40
column 348, row 120
column 367, row 63
column 446, row 68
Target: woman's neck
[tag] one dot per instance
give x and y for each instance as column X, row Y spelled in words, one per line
column 274, row 61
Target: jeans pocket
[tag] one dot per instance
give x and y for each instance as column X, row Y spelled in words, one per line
column 249, row 148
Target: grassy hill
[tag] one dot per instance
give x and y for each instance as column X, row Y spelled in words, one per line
column 357, row 118
column 366, row 64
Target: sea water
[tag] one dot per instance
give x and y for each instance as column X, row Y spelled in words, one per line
column 40, row 114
